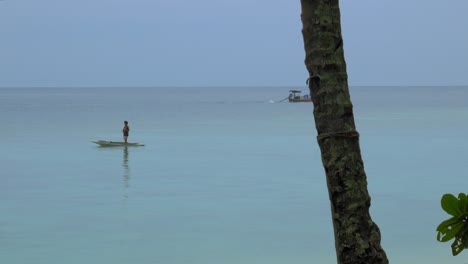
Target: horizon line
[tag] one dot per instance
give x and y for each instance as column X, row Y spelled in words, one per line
column 232, row 86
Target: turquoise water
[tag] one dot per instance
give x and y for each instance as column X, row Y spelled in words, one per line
column 226, row 175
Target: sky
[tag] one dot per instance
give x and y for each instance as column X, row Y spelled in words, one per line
column 80, row 43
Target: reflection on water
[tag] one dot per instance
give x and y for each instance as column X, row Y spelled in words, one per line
column 126, row 172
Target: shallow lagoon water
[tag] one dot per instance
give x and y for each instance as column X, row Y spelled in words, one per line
column 226, row 176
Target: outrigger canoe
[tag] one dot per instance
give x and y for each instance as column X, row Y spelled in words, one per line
column 105, row 143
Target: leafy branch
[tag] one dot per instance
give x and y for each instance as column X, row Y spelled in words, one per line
column 456, row 226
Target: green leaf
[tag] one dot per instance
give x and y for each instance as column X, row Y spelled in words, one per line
column 463, row 204
column 450, row 204
column 448, row 222
column 457, row 226
column 447, row 233
column 457, row 246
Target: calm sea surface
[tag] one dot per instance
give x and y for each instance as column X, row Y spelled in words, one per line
column 227, row 176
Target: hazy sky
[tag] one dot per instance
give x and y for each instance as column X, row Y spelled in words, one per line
column 224, row 43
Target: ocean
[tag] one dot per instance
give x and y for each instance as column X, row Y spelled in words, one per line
column 227, row 175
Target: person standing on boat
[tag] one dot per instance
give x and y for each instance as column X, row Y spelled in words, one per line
column 125, row 130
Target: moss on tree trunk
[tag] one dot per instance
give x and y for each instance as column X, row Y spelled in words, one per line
column 357, row 237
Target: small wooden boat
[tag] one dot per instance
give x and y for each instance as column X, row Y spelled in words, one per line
column 295, row 97
column 105, row 143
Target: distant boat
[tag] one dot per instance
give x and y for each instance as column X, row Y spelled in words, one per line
column 296, row 97
column 105, row 143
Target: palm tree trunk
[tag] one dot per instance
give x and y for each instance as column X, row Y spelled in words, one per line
column 357, row 237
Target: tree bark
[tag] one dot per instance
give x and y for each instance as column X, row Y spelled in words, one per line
column 357, row 237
